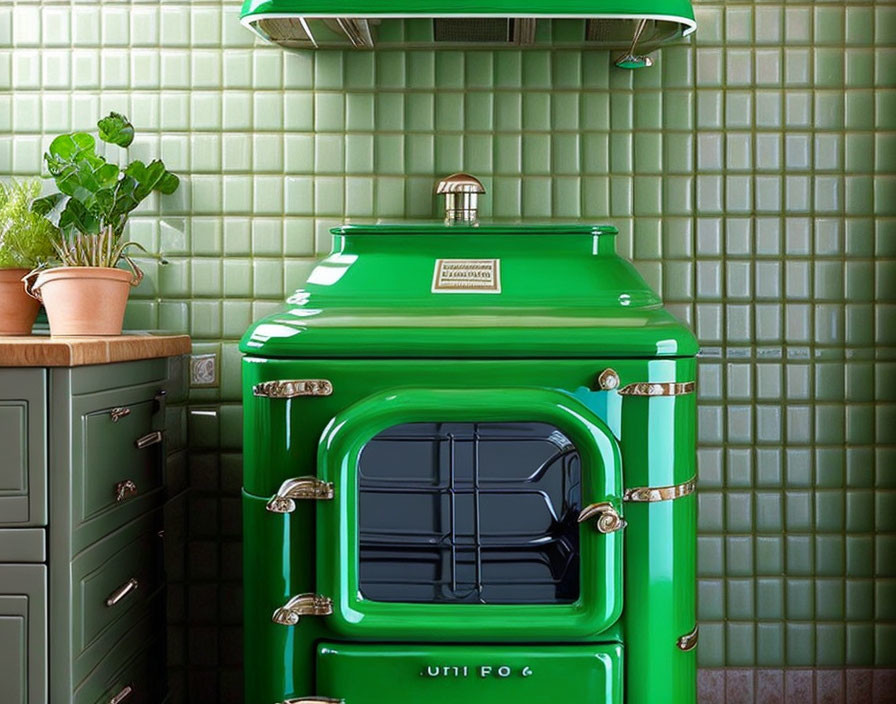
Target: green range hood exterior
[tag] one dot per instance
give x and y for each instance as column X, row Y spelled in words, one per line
column 431, row 290
column 633, row 25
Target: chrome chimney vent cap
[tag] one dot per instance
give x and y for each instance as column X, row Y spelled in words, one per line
column 460, row 183
column 461, row 193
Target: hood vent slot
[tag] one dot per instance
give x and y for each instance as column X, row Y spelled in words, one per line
column 288, row 32
column 614, row 33
column 357, row 31
column 483, row 30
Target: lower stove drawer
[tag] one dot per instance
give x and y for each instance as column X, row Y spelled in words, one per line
column 448, row 674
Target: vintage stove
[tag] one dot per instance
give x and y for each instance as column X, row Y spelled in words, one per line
column 469, row 473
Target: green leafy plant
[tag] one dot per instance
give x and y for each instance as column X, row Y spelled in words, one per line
column 96, row 197
column 26, row 238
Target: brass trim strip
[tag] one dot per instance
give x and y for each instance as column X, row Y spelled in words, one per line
column 302, row 605
column 663, row 388
column 688, row 641
column 660, row 493
column 293, row 388
column 299, row 488
column 608, row 519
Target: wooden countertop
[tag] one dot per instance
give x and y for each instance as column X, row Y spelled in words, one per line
column 46, row 351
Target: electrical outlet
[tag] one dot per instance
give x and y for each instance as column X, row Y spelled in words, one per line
column 204, row 370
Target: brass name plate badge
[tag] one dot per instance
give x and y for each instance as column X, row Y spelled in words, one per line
column 467, row 276
column 479, row 671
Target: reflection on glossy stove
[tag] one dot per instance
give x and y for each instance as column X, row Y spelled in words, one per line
column 469, row 473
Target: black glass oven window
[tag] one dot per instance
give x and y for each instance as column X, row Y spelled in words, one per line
column 470, row 512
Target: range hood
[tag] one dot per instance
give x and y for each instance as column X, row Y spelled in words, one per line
column 635, row 27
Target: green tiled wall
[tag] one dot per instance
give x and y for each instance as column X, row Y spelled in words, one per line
column 751, row 173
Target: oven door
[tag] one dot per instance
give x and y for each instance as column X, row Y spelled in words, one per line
column 464, row 514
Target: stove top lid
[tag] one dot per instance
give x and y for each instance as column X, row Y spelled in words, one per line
column 480, row 230
column 487, row 291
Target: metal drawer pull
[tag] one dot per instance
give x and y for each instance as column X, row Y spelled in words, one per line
column 153, row 438
column 298, row 488
column 120, row 593
column 660, row 493
column 302, row 605
column 608, row 519
column 688, row 641
column 293, row 388
column 126, row 692
column 125, row 490
column 117, row 413
column 313, row 700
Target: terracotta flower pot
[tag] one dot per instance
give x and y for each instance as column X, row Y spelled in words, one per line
column 84, row 300
column 17, row 309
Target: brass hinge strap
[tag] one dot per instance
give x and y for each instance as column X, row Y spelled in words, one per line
column 659, row 388
column 302, row 605
column 608, row 380
column 660, row 493
column 293, row 388
column 688, row 641
column 299, row 488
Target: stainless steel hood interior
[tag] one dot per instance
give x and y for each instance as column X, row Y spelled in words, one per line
column 636, row 27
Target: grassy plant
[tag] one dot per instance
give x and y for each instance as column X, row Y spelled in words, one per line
column 26, row 238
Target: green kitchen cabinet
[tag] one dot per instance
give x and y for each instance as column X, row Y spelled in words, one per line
column 23, row 624
column 82, row 496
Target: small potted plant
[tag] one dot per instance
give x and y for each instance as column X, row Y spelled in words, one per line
column 26, row 241
column 86, row 292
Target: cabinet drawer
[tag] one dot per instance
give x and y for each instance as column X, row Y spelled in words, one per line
column 23, row 437
column 23, row 634
column 137, row 679
column 113, row 582
column 119, row 471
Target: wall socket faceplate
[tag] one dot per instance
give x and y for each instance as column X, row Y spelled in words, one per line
column 204, row 370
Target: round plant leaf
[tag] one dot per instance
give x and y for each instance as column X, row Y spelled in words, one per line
column 115, row 129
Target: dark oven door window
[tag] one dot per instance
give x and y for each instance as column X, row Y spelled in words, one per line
column 457, row 510
column 470, row 512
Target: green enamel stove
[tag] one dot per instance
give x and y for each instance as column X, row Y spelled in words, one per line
column 469, row 475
